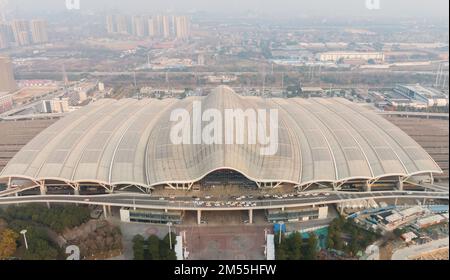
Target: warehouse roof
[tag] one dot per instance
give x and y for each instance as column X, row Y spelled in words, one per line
column 127, row 141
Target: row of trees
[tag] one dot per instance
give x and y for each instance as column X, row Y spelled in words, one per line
column 57, row 218
column 344, row 235
column 293, row 247
column 153, row 248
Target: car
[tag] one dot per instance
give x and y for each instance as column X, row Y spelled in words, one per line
column 246, row 222
column 327, row 194
column 409, row 193
column 86, row 199
column 197, row 199
column 315, row 194
column 161, row 198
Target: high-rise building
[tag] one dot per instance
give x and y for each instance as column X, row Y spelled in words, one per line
column 165, row 26
column 110, row 25
column 152, row 32
column 7, row 82
column 5, row 35
column 20, row 29
column 138, row 26
column 182, row 27
column 39, row 32
column 122, row 24
column 158, row 24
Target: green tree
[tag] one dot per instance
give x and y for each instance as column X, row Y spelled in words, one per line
column 281, row 252
column 164, row 249
column 311, row 247
column 153, row 248
column 294, row 245
column 138, row 247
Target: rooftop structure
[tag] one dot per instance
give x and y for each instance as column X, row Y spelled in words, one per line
column 114, row 142
column 335, row 56
column 428, row 96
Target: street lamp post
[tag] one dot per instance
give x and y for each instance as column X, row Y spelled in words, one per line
column 280, row 223
column 169, row 224
column 23, row 232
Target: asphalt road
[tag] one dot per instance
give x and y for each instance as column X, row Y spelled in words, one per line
column 189, row 203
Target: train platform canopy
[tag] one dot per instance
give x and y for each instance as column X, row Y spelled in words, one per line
column 128, row 141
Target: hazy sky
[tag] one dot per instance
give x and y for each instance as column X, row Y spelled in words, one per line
column 276, row 8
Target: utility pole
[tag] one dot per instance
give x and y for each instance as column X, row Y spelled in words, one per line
column 169, row 224
column 280, row 223
column 24, row 232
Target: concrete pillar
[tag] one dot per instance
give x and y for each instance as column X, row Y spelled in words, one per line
column 109, row 210
column 368, row 187
column 400, row 185
column 199, row 217
column 43, row 189
column 104, row 211
column 431, row 179
column 396, row 200
column 250, row 216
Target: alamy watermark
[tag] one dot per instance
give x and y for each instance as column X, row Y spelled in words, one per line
column 373, row 4
column 227, row 127
column 73, row 4
column 74, row 253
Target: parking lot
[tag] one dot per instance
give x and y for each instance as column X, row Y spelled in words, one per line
column 226, row 242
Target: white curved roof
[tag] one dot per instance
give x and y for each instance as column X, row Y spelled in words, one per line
column 127, row 142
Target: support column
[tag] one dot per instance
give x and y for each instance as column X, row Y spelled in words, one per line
column 42, row 188
column 250, row 216
column 368, row 186
column 396, row 200
column 199, row 217
column 109, row 210
column 431, row 179
column 104, row 211
column 400, row 185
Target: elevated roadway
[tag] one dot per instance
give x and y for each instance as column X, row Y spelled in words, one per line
column 146, row 201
